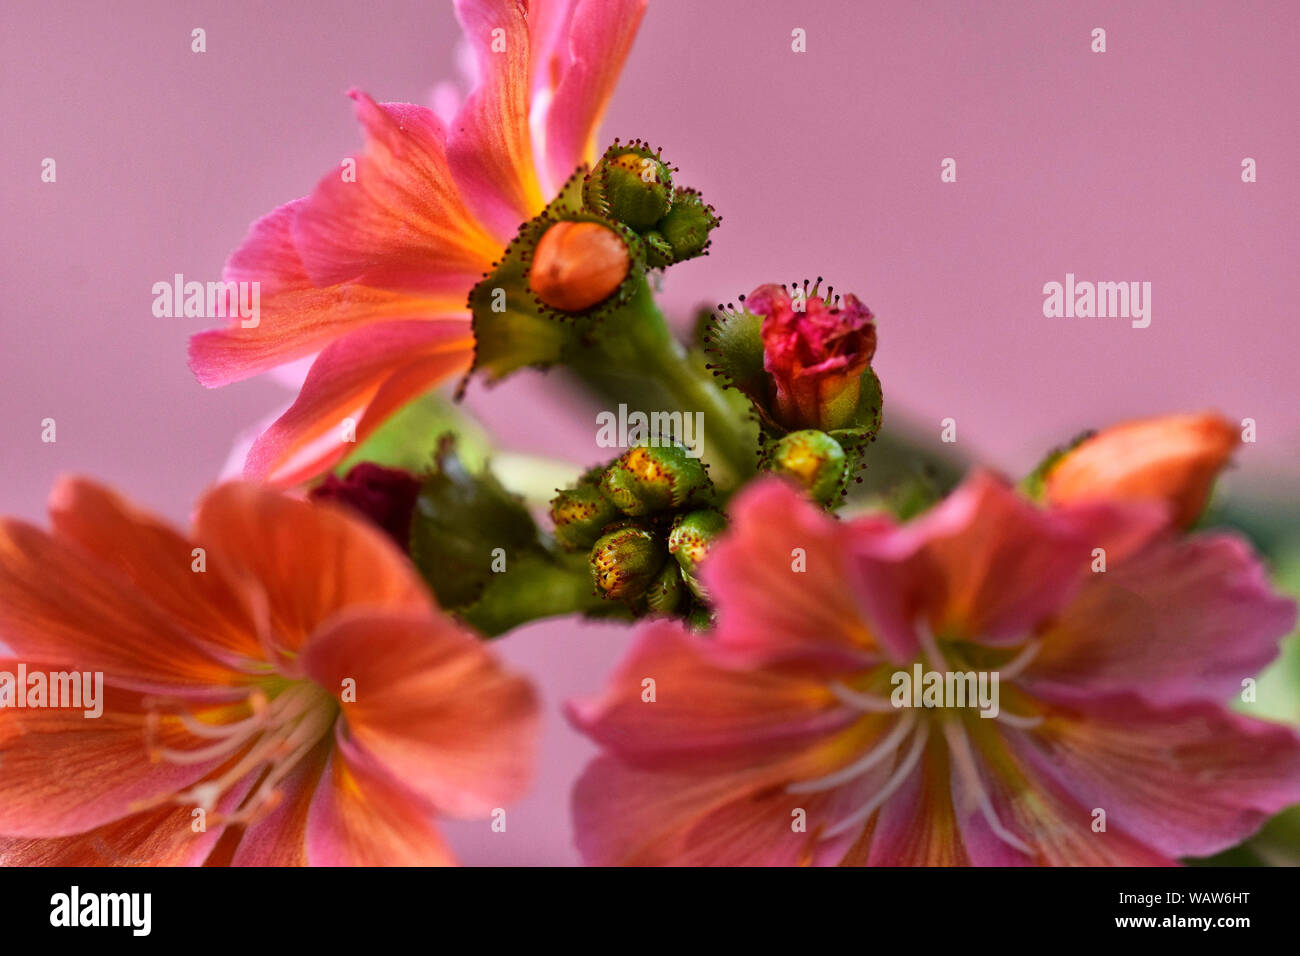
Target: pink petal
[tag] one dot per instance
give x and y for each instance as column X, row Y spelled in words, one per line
column 402, row 224
column 490, row 147
column 769, row 607
column 365, row 376
column 704, row 714
column 1188, row 780
column 1189, row 618
column 599, row 35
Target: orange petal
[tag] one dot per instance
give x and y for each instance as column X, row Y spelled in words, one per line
column 312, row 560
column 490, row 146
column 352, row 388
column 359, row 817
column 280, row 837
column 62, row 604
column 433, row 707
column 1173, row 459
column 157, row 562
column 65, row 773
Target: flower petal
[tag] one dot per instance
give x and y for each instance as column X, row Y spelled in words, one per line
column 402, row 224
column 363, row 377
column 779, row 579
column 433, row 707
column 704, row 714
column 1187, row 619
column 599, row 36
column 490, row 147
column 280, row 837
column 313, row 560
column 157, row 563
column 988, row 566
column 362, row 818
column 61, row 604
column 163, row 836
column 65, row 773
column 300, row 322
column 1187, row 780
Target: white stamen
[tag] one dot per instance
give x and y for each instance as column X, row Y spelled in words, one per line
column 1019, row 721
column 860, row 700
column 1016, row 666
column 888, row 745
column 899, row 777
column 964, row 760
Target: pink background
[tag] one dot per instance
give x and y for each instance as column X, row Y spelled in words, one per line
column 1117, row 166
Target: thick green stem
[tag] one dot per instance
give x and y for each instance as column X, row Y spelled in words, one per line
column 638, row 362
column 539, row 586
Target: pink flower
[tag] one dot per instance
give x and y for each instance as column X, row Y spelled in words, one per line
column 277, row 689
column 815, row 356
column 372, row 270
column 778, row 739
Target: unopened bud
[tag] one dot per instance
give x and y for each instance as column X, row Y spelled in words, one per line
column 666, row 591
column 631, row 184
column 646, row 479
column 689, row 541
column 578, row 265
column 815, row 461
column 687, row 225
column 580, row 515
column 626, row 561
column 1174, row 459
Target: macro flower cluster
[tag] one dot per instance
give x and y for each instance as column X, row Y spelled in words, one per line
column 926, row 668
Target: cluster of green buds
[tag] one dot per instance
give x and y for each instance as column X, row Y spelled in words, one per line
column 803, row 358
column 634, row 186
column 584, row 258
column 647, row 522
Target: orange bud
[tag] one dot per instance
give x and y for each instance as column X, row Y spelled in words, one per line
column 1174, row 458
column 578, row 264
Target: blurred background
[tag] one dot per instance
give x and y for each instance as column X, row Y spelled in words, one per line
column 1120, row 166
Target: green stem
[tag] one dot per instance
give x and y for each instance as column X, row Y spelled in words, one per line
column 539, row 586
column 638, row 362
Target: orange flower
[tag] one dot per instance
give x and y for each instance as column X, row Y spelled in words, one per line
column 1173, row 459
column 277, row 689
column 370, row 273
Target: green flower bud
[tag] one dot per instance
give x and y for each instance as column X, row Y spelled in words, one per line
column 666, row 591
column 814, row 459
column 630, row 183
column 687, row 225
column 658, row 252
column 700, row 619
column 689, row 541
column 648, row 479
column 626, row 561
column 580, row 514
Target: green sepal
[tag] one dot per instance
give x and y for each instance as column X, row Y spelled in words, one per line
column 461, row 519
